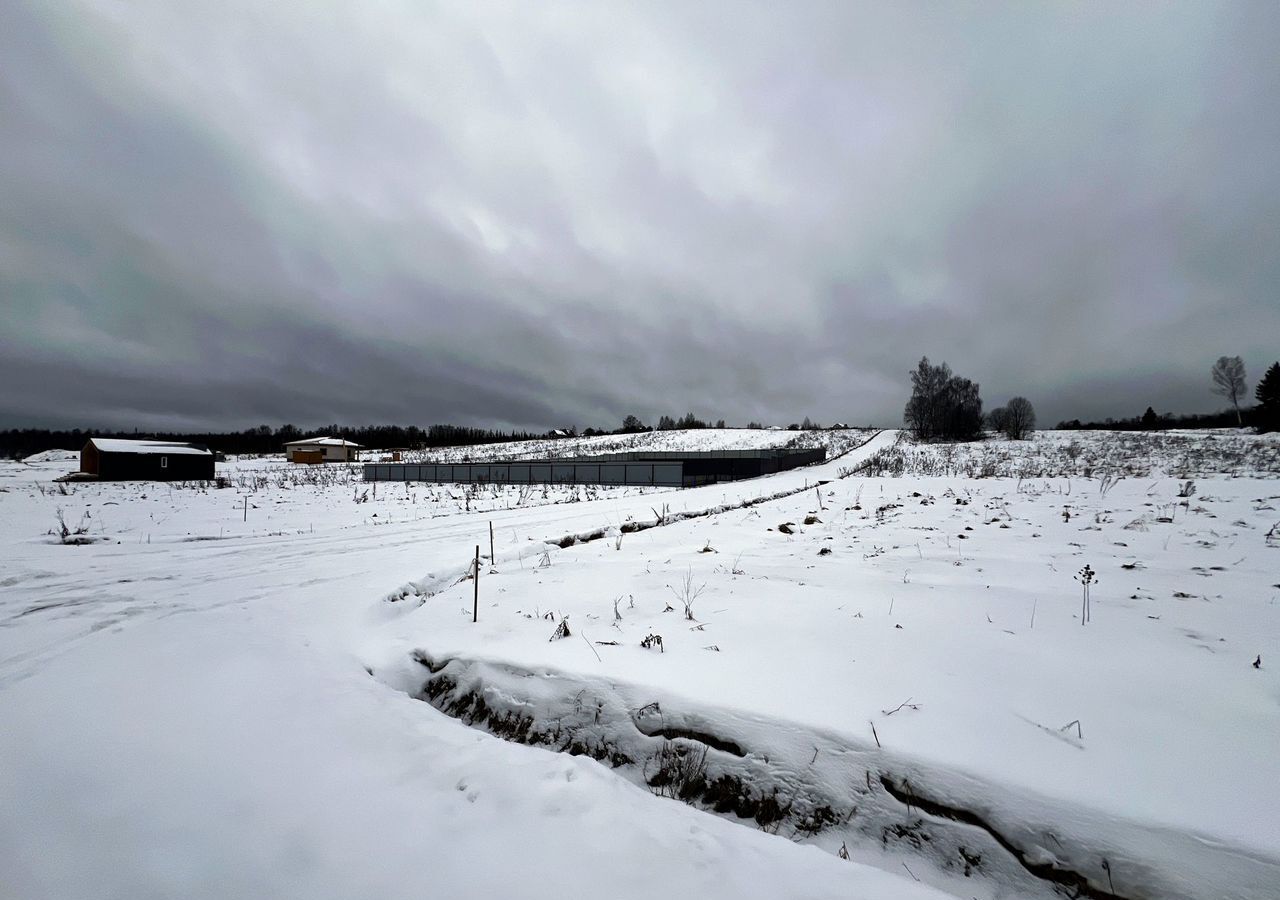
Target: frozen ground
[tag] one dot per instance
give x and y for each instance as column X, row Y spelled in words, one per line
column 196, row 717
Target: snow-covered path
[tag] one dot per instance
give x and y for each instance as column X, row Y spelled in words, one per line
column 192, row 719
column 82, row 590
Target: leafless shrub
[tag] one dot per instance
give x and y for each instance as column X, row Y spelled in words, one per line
column 687, row 593
column 681, row 770
column 68, row 535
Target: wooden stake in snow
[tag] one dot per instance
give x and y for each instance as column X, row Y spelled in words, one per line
column 246, row 508
column 475, row 605
column 493, row 560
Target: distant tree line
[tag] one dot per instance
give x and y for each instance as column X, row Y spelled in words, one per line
column 632, row 424
column 1154, row 421
column 17, row 443
column 1228, row 377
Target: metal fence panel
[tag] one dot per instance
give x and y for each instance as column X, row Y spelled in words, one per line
column 668, row 474
column 639, row 473
column 666, row 469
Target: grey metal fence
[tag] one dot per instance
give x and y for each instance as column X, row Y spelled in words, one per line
column 664, row 469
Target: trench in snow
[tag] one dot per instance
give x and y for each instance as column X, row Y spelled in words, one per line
column 788, row 780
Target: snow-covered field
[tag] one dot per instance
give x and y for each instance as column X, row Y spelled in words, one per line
column 836, row 442
column 903, row 680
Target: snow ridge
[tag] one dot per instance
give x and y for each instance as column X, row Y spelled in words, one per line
column 865, row 802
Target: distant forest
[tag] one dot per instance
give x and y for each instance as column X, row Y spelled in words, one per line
column 19, row 443
column 1153, row 421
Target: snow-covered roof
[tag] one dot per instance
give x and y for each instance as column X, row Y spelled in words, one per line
column 323, row 442
column 166, row 448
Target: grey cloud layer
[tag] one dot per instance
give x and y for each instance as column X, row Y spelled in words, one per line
column 560, row 213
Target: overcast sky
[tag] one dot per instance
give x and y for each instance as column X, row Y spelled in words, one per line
column 543, row 214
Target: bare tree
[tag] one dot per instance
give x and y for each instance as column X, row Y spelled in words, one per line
column 943, row 406
column 1019, row 419
column 1228, row 381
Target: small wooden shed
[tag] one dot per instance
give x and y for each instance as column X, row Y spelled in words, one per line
column 115, row 459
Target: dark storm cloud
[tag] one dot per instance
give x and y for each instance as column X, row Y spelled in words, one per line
column 532, row 215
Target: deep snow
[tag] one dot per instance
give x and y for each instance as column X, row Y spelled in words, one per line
column 189, row 711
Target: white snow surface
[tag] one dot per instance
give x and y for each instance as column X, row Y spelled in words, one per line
column 189, row 710
column 167, row 448
column 45, row 456
column 698, row 439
